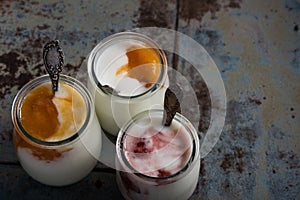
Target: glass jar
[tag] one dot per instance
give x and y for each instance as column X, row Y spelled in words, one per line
column 63, row 161
column 157, row 168
column 116, row 107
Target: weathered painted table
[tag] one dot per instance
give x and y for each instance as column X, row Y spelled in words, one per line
column 256, row 46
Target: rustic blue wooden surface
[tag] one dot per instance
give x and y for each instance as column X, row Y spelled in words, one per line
column 256, row 46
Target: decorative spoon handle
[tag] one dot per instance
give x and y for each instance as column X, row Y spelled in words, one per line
column 53, row 60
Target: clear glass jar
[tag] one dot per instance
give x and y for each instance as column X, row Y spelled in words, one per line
column 133, row 182
column 114, row 109
column 59, row 162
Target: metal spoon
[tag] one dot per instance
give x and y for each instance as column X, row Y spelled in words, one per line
column 171, row 104
column 53, row 60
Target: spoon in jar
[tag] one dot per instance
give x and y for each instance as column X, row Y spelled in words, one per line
column 53, row 60
column 171, row 104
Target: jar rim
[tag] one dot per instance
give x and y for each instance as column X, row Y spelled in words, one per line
column 127, row 35
column 24, row 91
column 191, row 161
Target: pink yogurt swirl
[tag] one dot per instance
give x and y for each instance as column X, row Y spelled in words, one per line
column 157, row 151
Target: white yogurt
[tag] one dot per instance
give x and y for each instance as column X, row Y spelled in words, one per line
column 110, row 61
column 71, row 166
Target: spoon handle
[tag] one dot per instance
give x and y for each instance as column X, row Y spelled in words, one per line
column 171, row 104
column 53, row 60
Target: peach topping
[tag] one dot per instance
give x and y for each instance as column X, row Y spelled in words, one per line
column 52, row 118
column 143, row 65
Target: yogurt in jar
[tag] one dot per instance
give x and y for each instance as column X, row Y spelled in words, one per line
column 57, row 136
column 127, row 75
column 157, row 162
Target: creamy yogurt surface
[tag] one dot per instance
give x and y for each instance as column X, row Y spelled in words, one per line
column 51, row 117
column 155, row 150
column 129, row 66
